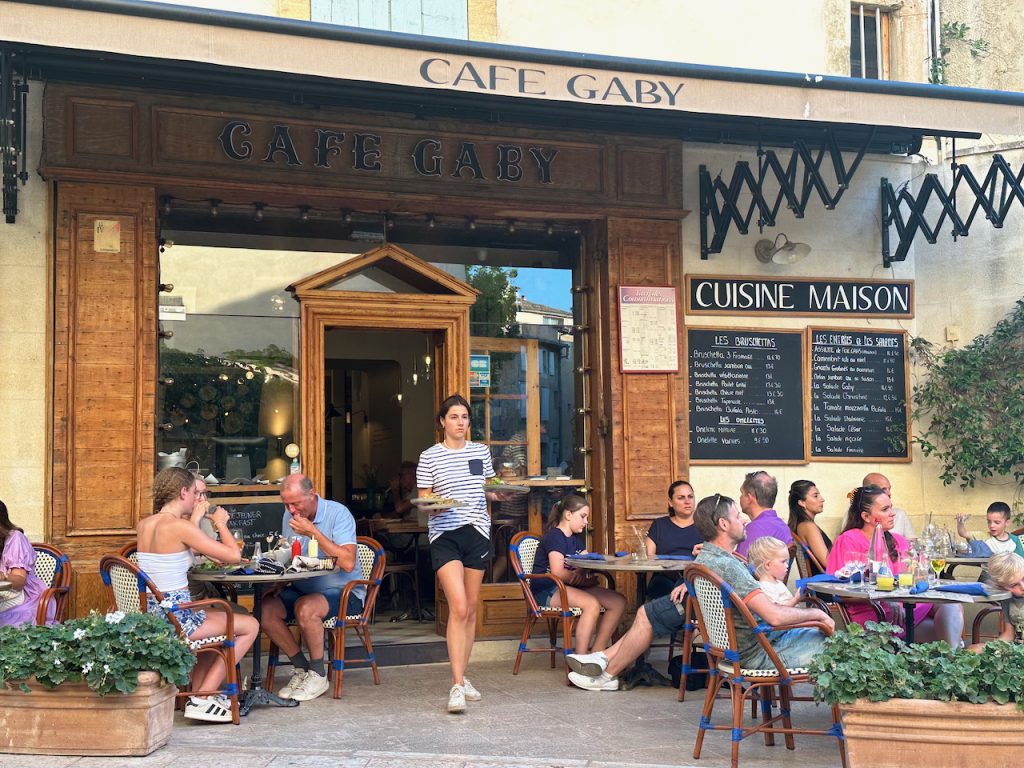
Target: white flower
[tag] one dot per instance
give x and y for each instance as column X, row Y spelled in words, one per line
column 106, row 668
column 79, row 633
column 55, row 644
column 87, row 668
column 56, row 662
column 116, row 617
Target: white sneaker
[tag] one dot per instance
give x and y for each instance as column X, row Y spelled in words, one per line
column 216, row 709
column 311, row 687
column 602, row 682
column 296, row 680
column 457, row 699
column 472, row 694
column 589, row 664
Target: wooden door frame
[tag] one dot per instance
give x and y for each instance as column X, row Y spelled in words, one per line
column 321, row 310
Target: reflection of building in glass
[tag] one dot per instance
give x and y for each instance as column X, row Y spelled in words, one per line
column 552, row 327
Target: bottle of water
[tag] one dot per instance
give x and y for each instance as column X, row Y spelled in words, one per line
column 257, row 551
column 876, row 552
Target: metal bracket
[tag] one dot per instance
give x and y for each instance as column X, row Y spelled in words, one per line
column 797, row 180
column 994, row 195
column 13, row 110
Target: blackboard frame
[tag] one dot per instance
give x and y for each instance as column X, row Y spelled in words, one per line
column 809, row 394
column 804, row 395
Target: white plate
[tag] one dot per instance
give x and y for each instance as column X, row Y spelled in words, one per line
column 433, row 505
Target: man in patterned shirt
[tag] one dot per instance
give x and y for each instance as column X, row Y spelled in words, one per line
column 718, row 519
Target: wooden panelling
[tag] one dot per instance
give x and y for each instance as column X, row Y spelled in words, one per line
column 183, row 141
column 102, row 128
column 647, row 449
column 104, row 374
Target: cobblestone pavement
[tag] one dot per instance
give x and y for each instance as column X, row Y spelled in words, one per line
column 531, row 720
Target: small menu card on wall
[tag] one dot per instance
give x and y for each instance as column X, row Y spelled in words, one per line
column 648, row 330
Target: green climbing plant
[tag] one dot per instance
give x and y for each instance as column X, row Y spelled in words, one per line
column 954, row 33
column 970, row 403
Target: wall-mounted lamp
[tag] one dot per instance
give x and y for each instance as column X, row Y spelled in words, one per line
column 780, row 251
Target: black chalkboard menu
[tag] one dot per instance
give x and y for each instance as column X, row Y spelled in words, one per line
column 746, row 396
column 859, row 392
column 255, row 517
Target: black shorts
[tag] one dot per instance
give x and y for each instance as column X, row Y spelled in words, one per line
column 465, row 544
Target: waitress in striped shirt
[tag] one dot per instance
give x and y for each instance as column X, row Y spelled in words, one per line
column 460, row 537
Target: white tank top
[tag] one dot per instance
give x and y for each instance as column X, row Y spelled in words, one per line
column 168, row 572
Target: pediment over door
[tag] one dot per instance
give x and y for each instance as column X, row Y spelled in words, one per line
column 385, row 269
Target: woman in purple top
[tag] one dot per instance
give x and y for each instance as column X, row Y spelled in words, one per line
column 19, row 603
column 566, row 521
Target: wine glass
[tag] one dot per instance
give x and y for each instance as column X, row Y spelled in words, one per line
column 938, row 562
column 239, row 540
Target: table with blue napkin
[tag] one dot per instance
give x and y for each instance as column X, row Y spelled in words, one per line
column 589, row 556
column 673, row 557
column 822, row 578
column 966, row 588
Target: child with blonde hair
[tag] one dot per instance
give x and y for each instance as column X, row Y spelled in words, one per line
column 769, row 557
column 1006, row 569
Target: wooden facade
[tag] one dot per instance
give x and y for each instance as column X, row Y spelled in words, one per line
column 111, row 155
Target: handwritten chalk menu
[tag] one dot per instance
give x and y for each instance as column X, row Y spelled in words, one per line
column 648, row 333
column 746, row 396
column 255, row 517
column 859, row 395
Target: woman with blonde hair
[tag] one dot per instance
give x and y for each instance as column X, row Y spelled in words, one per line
column 166, row 540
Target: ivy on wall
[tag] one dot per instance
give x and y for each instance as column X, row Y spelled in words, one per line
column 970, row 403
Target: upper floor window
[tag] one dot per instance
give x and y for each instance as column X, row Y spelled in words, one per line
column 869, row 42
column 438, row 18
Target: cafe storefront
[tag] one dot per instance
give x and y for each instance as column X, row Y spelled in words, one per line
column 280, row 252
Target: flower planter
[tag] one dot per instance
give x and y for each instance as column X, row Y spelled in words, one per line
column 72, row 719
column 904, row 733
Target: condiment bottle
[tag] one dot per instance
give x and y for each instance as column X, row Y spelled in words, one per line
column 296, row 546
column 313, row 550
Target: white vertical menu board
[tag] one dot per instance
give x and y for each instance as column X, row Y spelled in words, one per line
column 648, row 329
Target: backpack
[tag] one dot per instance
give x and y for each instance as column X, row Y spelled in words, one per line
column 695, row 680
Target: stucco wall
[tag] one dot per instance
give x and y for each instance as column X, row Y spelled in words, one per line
column 24, row 355
column 1001, row 25
column 742, row 33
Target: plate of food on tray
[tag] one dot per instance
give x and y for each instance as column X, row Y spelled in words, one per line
column 432, row 502
column 500, row 486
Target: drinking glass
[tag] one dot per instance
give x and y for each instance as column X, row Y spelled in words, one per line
column 938, row 562
column 239, row 540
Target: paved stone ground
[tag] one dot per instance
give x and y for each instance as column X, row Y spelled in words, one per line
column 529, row 720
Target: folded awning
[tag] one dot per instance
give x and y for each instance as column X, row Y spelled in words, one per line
column 732, row 104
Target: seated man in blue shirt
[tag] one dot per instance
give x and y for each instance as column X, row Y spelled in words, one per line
column 718, row 519
column 310, row 601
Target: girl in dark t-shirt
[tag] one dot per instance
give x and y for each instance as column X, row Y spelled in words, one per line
column 566, row 522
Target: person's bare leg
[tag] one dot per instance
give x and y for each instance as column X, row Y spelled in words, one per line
column 471, row 580
column 272, row 621
column 630, row 646
column 946, row 622
column 210, row 674
column 451, row 575
column 587, row 622
column 614, row 604
column 310, row 611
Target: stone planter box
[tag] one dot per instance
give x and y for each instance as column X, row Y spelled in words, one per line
column 73, row 720
column 904, row 733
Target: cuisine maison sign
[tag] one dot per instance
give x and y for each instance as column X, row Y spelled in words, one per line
column 740, row 295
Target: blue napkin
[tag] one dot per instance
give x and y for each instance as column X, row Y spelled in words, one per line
column 979, row 548
column 673, row 557
column 589, row 556
column 821, row 578
column 967, row 588
column 621, row 554
column 917, row 589
column 242, row 572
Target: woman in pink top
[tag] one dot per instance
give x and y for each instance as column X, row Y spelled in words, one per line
column 19, row 603
column 870, row 506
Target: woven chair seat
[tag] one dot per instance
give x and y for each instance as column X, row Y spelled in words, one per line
column 333, row 621
column 555, row 611
column 194, row 644
column 727, row 668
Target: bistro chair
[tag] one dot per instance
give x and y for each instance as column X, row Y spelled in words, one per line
column 371, row 560
column 393, row 570
column 977, row 636
column 522, row 551
column 130, row 551
column 54, row 569
column 716, row 606
column 128, row 586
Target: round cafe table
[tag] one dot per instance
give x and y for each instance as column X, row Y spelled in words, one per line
column 642, row 672
column 866, row 592
column 954, row 560
column 259, row 582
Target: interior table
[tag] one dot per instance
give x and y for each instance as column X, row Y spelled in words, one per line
column 866, row 592
column 414, row 530
column 642, row 672
column 259, row 582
